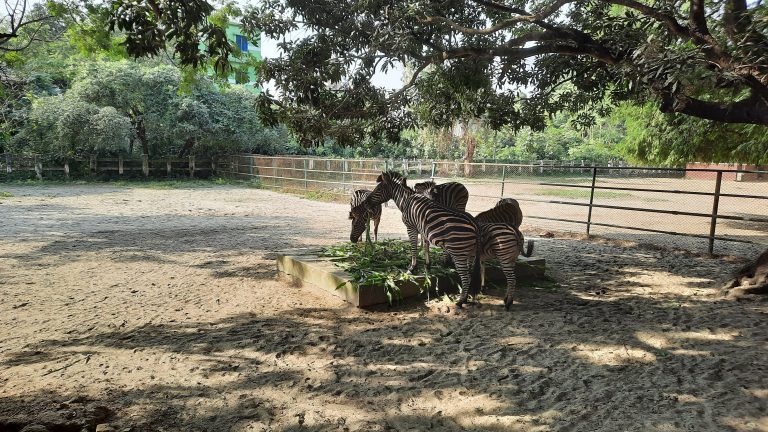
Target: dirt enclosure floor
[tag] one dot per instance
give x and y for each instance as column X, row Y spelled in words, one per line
column 160, row 310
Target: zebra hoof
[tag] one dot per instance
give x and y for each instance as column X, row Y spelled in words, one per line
column 508, row 303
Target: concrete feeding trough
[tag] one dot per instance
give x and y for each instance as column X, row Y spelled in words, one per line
column 310, row 269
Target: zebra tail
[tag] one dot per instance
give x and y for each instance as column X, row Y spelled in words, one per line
column 528, row 249
column 474, row 281
column 528, row 246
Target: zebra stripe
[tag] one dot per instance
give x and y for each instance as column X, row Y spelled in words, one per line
column 504, row 243
column 507, row 211
column 454, row 231
column 452, row 195
column 359, row 224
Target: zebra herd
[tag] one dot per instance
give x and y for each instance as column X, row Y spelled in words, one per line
column 437, row 213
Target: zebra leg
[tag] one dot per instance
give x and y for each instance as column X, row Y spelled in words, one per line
column 508, row 267
column 482, row 275
column 376, row 229
column 463, row 268
column 426, row 250
column 413, row 237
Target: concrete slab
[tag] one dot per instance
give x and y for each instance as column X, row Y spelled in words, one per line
column 322, row 273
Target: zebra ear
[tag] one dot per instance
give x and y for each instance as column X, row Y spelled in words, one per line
column 351, row 216
column 379, row 179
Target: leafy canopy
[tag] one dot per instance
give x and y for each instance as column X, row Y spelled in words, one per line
column 472, row 58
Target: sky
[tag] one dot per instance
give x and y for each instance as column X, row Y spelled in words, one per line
column 393, row 79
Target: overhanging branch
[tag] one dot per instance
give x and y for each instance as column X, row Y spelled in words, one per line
column 501, row 25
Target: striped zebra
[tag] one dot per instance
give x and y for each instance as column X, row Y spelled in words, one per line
column 504, row 243
column 507, row 211
column 359, row 224
column 452, row 195
column 454, row 231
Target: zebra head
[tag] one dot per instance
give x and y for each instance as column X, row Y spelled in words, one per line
column 359, row 223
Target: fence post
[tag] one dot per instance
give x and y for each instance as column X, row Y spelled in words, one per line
column 274, row 172
column 344, row 175
column 168, row 166
column 434, row 170
column 191, row 166
column 120, row 164
column 591, row 199
column 715, row 205
column 8, row 164
column 145, row 164
column 213, row 165
column 38, row 168
column 305, row 175
column 386, row 165
column 93, row 161
column 66, row 169
column 503, row 179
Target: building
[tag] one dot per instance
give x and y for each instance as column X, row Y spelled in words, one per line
column 737, row 176
column 252, row 48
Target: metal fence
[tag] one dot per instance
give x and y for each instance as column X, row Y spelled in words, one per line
column 694, row 209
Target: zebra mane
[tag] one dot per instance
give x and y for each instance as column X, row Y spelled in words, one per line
column 392, row 176
column 424, row 187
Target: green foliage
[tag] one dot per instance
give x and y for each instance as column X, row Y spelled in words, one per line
column 383, row 264
column 656, row 138
column 124, row 107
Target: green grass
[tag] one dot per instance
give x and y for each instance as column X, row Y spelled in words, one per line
column 5, row 195
column 146, row 184
column 581, row 193
column 321, row 196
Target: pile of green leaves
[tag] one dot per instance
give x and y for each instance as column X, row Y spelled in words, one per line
column 384, row 263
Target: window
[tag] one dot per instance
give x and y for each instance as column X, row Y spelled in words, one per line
column 242, row 43
column 241, row 77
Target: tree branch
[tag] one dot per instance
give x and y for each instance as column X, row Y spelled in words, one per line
column 411, row 82
column 670, row 21
column 752, row 110
column 501, row 25
column 595, row 51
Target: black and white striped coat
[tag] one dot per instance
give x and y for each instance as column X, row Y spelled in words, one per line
column 454, row 231
column 452, row 194
column 504, row 243
column 506, row 211
column 360, row 224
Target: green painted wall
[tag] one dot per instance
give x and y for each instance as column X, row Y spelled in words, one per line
column 254, row 51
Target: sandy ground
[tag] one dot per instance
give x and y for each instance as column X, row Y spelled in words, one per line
column 160, row 310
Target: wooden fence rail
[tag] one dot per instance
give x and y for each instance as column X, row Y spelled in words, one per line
column 121, row 165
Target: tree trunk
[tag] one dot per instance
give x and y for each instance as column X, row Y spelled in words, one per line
column 750, row 279
column 141, row 133
column 186, row 149
column 471, row 143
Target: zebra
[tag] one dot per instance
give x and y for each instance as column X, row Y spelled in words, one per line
column 452, row 195
column 359, row 225
column 507, row 211
column 504, row 243
column 454, row 231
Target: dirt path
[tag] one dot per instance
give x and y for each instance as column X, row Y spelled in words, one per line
column 160, row 310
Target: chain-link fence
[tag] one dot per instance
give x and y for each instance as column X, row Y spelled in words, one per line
column 694, row 209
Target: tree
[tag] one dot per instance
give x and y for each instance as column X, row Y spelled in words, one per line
column 25, row 22
column 703, row 59
column 653, row 138
column 128, row 107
